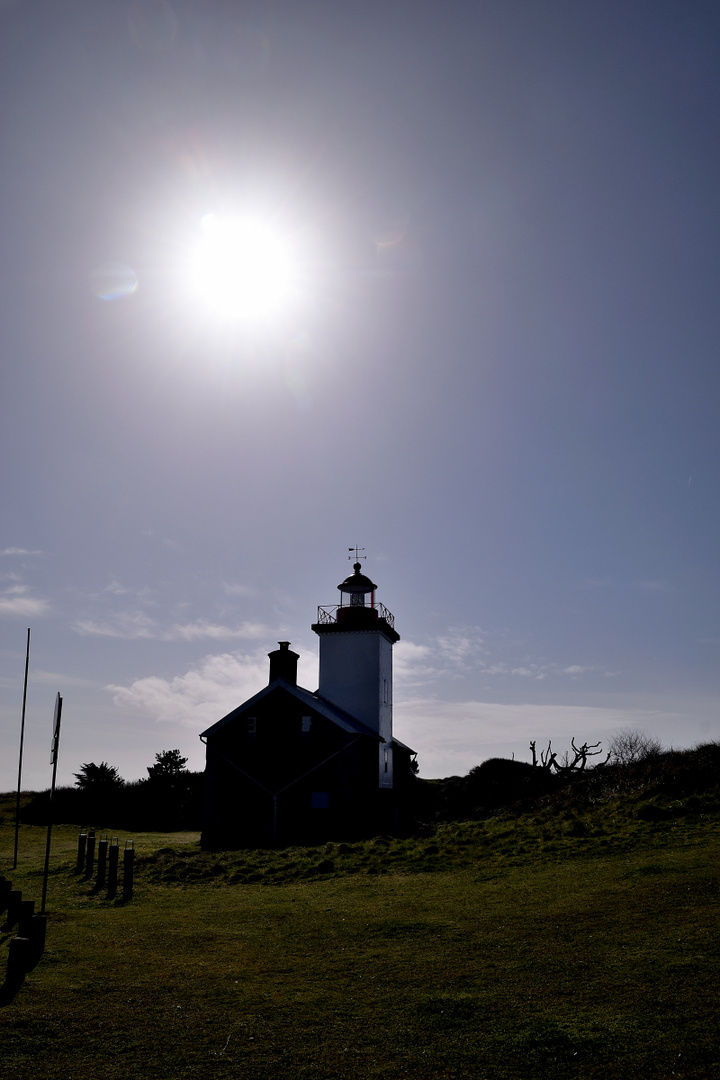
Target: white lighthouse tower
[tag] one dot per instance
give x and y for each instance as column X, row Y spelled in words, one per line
column 356, row 640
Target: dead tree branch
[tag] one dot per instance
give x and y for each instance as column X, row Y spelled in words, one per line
column 549, row 759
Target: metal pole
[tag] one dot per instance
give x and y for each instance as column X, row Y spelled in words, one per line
column 54, row 761
column 20, row 760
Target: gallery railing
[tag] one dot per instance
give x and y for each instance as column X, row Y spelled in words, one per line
column 327, row 613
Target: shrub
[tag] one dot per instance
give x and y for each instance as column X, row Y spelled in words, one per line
column 631, row 746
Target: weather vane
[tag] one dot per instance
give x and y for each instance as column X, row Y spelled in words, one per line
column 357, row 549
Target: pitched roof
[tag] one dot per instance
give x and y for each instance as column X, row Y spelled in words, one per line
column 403, row 746
column 305, row 697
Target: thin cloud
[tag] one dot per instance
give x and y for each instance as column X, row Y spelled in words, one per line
column 654, row 586
column 203, row 629
column 205, row 693
column 497, row 669
column 232, row 589
column 128, row 625
column 132, row 625
column 61, row 680
column 412, row 664
column 200, row 696
column 16, row 601
column 116, row 588
column 449, row 655
column 462, row 648
column 458, row 653
column 532, row 672
column 19, row 551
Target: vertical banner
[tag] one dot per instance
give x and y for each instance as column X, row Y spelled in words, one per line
column 54, row 747
column 56, row 733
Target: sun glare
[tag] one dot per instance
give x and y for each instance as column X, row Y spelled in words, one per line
column 242, row 268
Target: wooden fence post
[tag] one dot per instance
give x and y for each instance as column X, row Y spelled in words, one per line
column 82, row 842
column 35, row 930
column 13, row 908
column 90, row 854
column 113, row 855
column 101, row 861
column 128, row 864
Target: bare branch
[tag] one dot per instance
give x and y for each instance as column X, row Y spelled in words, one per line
column 574, row 762
column 547, row 758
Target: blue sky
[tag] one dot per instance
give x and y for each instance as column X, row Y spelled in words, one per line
column 497, row 371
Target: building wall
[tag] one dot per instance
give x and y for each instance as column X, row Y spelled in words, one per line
column 270, row 783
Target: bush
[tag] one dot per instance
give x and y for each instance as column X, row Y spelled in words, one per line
column 496, row 784
column 632, row 746
column 143, row 805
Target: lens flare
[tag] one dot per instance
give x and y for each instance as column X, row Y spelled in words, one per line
column 113, row 281
column 242, row 268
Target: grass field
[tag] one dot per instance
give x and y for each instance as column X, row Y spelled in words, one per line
column 499, row 949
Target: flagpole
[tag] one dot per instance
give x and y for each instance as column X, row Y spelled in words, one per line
column 20, row 759
column 54, row 760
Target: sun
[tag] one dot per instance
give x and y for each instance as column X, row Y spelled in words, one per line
column 242, row 268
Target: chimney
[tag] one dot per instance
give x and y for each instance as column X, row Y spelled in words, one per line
column 283, row 663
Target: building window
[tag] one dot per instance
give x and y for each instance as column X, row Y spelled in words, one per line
column 385, row 691
column 252, row 725
column 306, row 724
column 386, row 760
column 320, row 800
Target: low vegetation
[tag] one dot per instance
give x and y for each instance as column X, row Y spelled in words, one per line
column 571, row 933
column 170, row 797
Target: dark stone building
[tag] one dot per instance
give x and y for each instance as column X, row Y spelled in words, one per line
column 290, row 766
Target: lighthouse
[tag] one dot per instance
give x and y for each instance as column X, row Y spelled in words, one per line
column 295, row 766
column 356, row 641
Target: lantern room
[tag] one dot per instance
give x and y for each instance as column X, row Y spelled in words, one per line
column 353, row 592
column 357, row 586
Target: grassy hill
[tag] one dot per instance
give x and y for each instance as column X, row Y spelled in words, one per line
column 574, row 935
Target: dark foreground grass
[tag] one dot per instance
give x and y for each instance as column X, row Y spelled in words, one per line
column 491, row 950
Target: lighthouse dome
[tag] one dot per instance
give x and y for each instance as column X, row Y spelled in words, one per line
column 357, row 583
